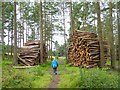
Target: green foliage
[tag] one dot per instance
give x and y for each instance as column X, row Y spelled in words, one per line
column 25, row 78
column 88, row 78
column 69, row 77
column 97, row 78
column 42, row 82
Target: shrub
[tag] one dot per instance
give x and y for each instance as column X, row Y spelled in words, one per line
column 97, row 78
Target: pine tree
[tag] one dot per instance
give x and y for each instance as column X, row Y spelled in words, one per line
column 100, row 34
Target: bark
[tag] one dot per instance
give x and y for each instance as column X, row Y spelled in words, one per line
column 112, row 48
column 118, row 22
column 51, row 48
column 102, row 63
column 15, row 35
column 26, row 30
column 85, row 15
column 41, row 32
column 12, row 37
column 8, row 48
column 20, row 26
column 71, row 19
column 64, row 33
column 23, row 31
column 2, row 30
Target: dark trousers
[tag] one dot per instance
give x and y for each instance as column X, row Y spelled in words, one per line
column 55, row 70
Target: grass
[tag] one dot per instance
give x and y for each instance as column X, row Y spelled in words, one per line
column 74, row 77
column 25, row 78
column 70, row 76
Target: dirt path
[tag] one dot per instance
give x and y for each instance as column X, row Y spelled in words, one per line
column 55, row 81
column 55, row 78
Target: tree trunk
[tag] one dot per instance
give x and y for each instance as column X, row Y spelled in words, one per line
column 20, row 26
column 112, row 48
column 23, row 31
column 12, row 37
column 8, row 41
column 45, row 30
column 41, row 33
column 71, row 18
column 76, row 24
column 64, row 33
column 26, row 30
column 49, row 49
column 15, row 35
column 102, row 61
column 51, row 36
column 85, row 16
column 2, row 30
column 118, row 20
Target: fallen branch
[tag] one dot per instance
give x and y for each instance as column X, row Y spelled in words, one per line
column 22, row 67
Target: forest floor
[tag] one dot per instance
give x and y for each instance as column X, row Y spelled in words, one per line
column 41, row 76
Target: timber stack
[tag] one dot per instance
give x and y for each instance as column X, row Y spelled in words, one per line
column 84, row 49
column 30, row 53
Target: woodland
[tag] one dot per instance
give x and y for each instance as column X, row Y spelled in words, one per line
column 84, row 36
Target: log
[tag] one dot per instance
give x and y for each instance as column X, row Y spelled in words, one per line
column 31, row 42
column 84, row 49
column 23, row 61
column 30, row 53
column 23, row 67
column 30, row 56
column 91, row 66
column 30, row 47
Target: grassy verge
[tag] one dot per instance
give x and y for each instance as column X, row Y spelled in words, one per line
column 74, row 77
column 37, row 77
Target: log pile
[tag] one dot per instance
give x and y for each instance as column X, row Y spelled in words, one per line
column 84, row 49
column 30, row 53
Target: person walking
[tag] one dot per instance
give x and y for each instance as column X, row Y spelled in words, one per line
column 55, row 65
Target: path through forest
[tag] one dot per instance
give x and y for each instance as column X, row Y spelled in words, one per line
column 56, row 78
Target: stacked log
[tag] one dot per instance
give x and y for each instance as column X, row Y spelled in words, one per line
column 84, row 49
column 30, row 53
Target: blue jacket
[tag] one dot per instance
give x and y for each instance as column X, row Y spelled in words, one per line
column 54, row 63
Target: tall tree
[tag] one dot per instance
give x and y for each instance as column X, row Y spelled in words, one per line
column 41, row 32
column 71, row 18
column 2, row 30
column 51, row 35
column 112, row 48
column 64, row 30
column 12, row 35
column 85, row 14
column 15, row 35
column 102, row 62
column 118, row 22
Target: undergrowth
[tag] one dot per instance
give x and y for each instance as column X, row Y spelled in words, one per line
column 74, row 77
column 25, row 78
